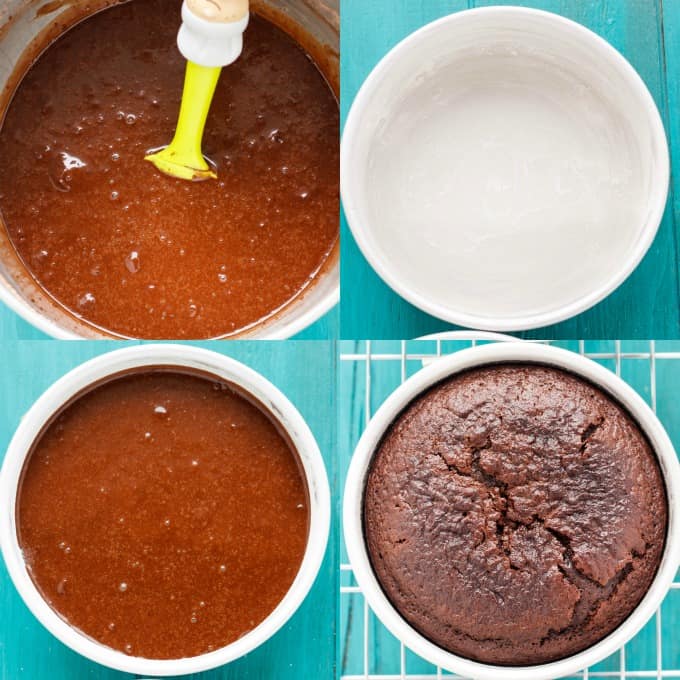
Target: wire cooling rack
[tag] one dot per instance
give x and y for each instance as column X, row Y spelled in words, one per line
column 369, row 372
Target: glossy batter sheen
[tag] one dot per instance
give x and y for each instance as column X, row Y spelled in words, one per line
column 163, row 515
column 515, row 515
column 144, row 255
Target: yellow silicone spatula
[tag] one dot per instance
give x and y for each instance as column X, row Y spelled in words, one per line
column 210, row 38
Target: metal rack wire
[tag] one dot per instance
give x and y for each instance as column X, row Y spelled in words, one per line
column 654, row 653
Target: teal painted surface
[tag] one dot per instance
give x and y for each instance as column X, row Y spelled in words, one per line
column 326, row 328
column 383, row 376
column 647, row 32
column 13, row 327
column 304, row 649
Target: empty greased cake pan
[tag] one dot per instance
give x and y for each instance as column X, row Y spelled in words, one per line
column 504, row 168
column 411, row 582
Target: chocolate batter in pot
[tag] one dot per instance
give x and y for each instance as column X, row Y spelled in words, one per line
column 137, row 253
column 163, row 515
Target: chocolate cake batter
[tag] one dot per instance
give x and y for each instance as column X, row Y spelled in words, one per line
column 140, row 254
column 163, row 515
column 515, row 515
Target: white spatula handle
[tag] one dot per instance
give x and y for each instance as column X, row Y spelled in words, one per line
column 213, row 41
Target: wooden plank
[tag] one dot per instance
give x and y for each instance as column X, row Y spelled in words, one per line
column 13, row 327
column 670, row 36
column 326, row 328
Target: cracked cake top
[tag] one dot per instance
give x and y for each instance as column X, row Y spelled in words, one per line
column 515, row 514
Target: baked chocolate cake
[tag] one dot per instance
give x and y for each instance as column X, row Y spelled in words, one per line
column 515, row 514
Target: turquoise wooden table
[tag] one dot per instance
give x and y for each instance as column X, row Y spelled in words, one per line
column 647, row 32
column 368, row 373
column 304, row 648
